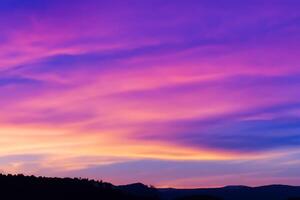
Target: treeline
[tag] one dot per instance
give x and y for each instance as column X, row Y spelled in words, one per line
column 44, row 188
column 15, row 187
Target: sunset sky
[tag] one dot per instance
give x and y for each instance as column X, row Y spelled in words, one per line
column 173, row 93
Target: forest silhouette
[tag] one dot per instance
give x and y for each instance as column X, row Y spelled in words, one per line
column 45, row 188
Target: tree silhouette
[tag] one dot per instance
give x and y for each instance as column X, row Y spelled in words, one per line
column 43, row 188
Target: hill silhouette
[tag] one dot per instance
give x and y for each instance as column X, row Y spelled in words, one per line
column 35, row 188
column 270, row 192
column 140, row 190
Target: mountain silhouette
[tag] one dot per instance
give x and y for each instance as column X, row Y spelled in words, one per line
column 36, row 188
column 15, row 187
column 270, row 192
column 140, row 190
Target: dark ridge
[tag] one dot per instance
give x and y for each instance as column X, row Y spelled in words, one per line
column 269, row 192
column 43, row 188
column 140, row 190
column 36, row 188
column 236, row 187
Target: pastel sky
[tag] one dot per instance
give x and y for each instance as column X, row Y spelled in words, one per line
column 173, row 93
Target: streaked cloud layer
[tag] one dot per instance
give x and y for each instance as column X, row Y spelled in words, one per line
column 129, row 90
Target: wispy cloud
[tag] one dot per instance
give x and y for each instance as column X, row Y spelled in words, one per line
column 191, row 84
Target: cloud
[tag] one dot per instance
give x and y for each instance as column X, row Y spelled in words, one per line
column 17, row 81
column 260, row 130
column 168, row 81
column 191, row 173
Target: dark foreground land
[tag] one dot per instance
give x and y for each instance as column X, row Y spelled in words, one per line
column 32, row 188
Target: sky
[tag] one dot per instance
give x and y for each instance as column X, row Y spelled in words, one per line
column 173, row 93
